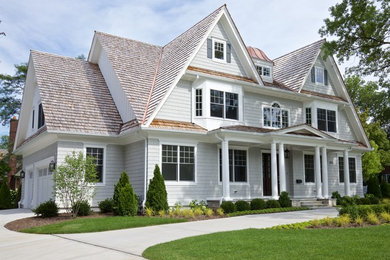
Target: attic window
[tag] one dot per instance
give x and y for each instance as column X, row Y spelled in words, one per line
column 41, row 116
column 319, row 76
column 219, row 50
column 264, row 71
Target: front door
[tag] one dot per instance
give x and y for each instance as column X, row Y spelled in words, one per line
column 267, row 183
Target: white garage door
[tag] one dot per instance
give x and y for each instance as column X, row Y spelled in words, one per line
column 45, row 185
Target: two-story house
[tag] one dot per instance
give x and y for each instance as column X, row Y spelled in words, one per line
column 222, row 120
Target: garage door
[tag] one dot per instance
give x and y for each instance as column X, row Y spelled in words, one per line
column 45, row 185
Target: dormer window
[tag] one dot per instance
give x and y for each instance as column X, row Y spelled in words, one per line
column 264, row 71
column 275, row 117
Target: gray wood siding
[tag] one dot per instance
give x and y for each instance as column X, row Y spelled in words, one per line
column 253, row 109
column 329, row 89
column 301, row 189
column 201, row 60
column 344, row 127
column 134, row 166
column 179, row 103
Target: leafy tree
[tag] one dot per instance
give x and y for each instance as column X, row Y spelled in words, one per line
column 156, row 197
column 5, row 195
column 11, row 88
column 4, row 142
column 373, row 187
column 81, row 57
column 74, row 181
column 362, row 30
column 125, row 200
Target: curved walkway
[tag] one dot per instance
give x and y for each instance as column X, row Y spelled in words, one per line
column 129, row 243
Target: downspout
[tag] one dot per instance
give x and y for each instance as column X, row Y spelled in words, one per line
column 146, row 171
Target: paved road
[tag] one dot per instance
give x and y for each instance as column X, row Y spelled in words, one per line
column 129, row 243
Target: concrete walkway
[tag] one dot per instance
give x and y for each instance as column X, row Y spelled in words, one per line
column 130, row 243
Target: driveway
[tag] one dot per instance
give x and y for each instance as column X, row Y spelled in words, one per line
column 130, row 243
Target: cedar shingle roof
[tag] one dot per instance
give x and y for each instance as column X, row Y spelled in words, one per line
column 74, row 95
column 291, row 69
column 176, row 125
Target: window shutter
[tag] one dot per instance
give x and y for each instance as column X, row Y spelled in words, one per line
column 209, row 48
column 228, row 53
column 326, row 77
column 313, row 75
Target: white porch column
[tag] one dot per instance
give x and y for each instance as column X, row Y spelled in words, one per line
column 274, row 172
column 34, row 201
column 282, row 168
column 346, row 174
column 317, row 171
column 225, row 170
column 325, row 191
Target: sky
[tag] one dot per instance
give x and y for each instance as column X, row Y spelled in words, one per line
column 66, row 27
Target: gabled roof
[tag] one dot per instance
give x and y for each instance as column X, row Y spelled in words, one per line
column 74, row 95
column 292, row 69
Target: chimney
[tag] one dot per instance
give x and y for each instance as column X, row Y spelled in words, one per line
column 12, row 182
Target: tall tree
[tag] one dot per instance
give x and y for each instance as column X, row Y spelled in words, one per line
column 362, row 29
column 11, row 88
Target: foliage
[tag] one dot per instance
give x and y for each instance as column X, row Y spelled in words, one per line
column 242, row 205
column 284, row 200
column 364, row 210
column 5, row 195
column 336, row 195
column 362, row 29
column 257, row 204
column 106, row 205
column 127, row 201
column 343, row 220
column 47, row 209
column 156, row 197
column 4, row 142
column 385, row 216
column 220, row 212
column 359, row 221
column 272, row 204
column 209, row 212
column 265, row 211
column 161, row 213
column 74, row 180
column 385, row 189
column 293, row 226
column 84, row 209
column 372, row 218
column 11, row 88
column 201, row 205
column 373, row 187
column 197, row 211
column 228, row 207
column 149, row 212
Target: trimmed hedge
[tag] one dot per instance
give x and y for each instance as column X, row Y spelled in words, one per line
column 373, row 187
column 228, row 207
column 257, row 204
column 363, row 210
column 242, row 205
column 47, row 209
column 5, row 195
column 84, row 208
column 106, row 206
column 284, row 200
column 266, row 211
column 270, row 204
column 157, row 197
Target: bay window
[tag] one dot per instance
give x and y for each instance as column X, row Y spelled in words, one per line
column 223, row 104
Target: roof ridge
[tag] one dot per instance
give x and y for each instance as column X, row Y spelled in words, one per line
column 299, row 49
column 218, row 9
column 125, row 38
column 59, row 56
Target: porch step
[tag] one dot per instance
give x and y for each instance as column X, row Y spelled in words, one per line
column 311, row 203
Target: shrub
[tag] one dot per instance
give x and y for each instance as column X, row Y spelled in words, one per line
column 385, row 189
column 187, row 213
column 257, row 204
column 209, row 212
column 316, row 223
column 149, row 212
column 343, row 220
column 353, row 211
column 371, row 199
column 127, row 201
column 83, row 208
column 228, row 207
column 220, row 212
column 372, row 218
column 373, row 187
column 198, row 211
column 336, row 195
column 359, row 221
column 385, row 216
column 5, row 195
column 161, row 213
column 284, row 200
column 123, row 180
column 242, row 205
column 328, row 221
column 156, row 197
column 47, row 209
column 272, row 204
column 106, row 206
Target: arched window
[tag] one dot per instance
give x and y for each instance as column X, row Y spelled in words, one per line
column 275, row 117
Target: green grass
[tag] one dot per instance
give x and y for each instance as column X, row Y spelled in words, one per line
column 341, row 243
column 265, row 211
column 83, row 225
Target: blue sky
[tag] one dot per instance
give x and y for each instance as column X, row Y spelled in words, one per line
column 66, row 27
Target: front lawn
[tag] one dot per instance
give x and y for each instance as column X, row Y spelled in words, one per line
column 343, row 243
column 83, row 225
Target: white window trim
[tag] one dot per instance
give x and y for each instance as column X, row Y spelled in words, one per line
column 214, row 40
column 338, row 170
column 246, row 183
column 327, row 109
column 224, row 105
column 304, row 169
column 281, row 122
column 104, row 146
column 202, row 104
column 311, row 113
column 323, row 75
column 178, row 144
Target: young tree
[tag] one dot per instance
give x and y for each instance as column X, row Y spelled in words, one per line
column 5, row 195
column 362, row 29
column 157, row 198
column 74, row 181
column 125, row 200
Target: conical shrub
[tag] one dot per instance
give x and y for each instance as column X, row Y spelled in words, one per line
column 125, row 200
column 156, row 197
column 5, row 195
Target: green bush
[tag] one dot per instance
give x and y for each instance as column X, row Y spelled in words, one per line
column 373, row 187
column 47, row 209
column 284, row 200
column 364, row 210
column 347, row 200
column 385, row 189
column 257, row 204
column 106, row 206
column 156, row 197
column 242, row 205
column 270, row 204
column 5, row 195
column 84, row 208
column 127, row 201
column 370, row 199
column 336, row 195
column 265, row 211
column 123, row 180
column 228, row 207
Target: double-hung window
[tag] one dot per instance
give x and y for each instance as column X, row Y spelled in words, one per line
column 178, row 163
column 264, row 71
column 275, row 117
column 326, row 120
column 352, row 169
column 98, row 154
column 237, row 165
column 219, row 50
column 309, row 168
column 308, row 115
column 223, row 104
column 319, row 76
column 198, row 102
